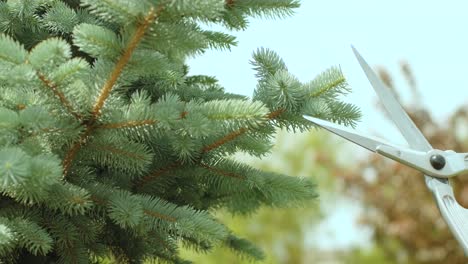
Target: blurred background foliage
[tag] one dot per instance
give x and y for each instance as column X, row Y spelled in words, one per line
column 407, row 224
column 398, row 207
column 282, row 233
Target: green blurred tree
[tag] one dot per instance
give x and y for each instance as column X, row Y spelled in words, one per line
column 372, row 255
column 283, row 233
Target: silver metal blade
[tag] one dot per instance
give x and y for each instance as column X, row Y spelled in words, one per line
column 368, row 142
column 410, row 132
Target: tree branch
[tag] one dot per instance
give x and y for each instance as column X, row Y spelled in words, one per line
column 222, row 172
column 60, row 95
column 126, row 124
column 229, row 137
column 106, row 89
column 109, row 84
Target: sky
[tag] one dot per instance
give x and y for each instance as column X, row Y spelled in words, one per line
column 430, row 35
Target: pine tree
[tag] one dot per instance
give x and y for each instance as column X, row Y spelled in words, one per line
column 110, row 148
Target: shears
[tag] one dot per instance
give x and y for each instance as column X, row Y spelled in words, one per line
column 438, row 166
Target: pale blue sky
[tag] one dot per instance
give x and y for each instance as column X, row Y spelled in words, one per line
column 430, row 35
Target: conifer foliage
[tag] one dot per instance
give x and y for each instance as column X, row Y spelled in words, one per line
column 108, row 147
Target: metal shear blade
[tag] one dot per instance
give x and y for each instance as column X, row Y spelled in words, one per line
column 368, row 142
column 410, row 132
column 419, row 156
column 454, row 163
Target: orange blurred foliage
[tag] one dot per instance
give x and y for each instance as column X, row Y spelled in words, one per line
column 399, row 207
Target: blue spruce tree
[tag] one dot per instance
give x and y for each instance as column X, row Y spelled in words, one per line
column 108, row 147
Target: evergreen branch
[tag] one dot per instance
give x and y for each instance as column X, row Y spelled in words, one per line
column 47, row 130
column 153, row 175
column 204, row 10
column 236, row 113
column 11, row 51
column 275, row 113
column 138, row 201
column 222, row 172
column 118, row 8
column 187, row 33
column 125, row 209
column 197, row 245
column 324, row 89
column 118, row 151
column 7, row 236
column 69, row 246
column 69, row 71
column 103, row 202
column 344, row 113
column 244, row 247
column 69, row 199
column 266, row 63
column 15, row 168
column 96, row 41
column 60, row 18
column 160, row 216
column 328, row 84
column 231, row 136
column 218, row 40
column 109, row 84
column 126, row 124
column 50, row 53
column 60, row 95
column 74, row 150
column 159, row 238
column 268, row 8
column 117, row 11
column 32, row 236
column 9, row 118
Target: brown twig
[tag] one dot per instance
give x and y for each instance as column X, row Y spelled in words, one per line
column 106, row 89
column 98, row 200
column 126, row 124
column 109, row 84
column 119, row 151
column 222, row 172
column 233, row 135
column 276, row 113
column 229, row 137
column 66, row 163
column 230, row 3
column 156, row 173
column 60, row 95
column 160, row 216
